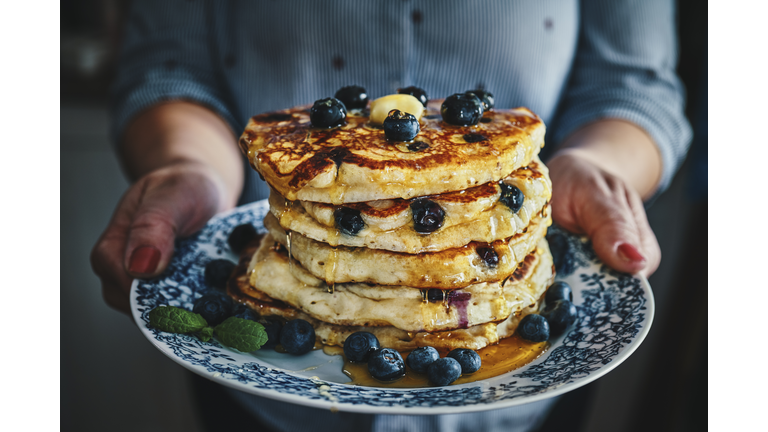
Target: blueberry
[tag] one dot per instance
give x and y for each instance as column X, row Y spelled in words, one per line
column 353, row 97
column 428, row 216
column 240, row 236
column 435, row 295
column 217, row 273
column 416, row 92
column 534, row 328
column 559, row 291
column 215, row 307
column 468, row 359
column 247, row 314
column 400, row 126
column 485, row 97
column 417, row 146
column 511, row 196
column 474, row 137
column 462, row 109
column 328, row 113
column 386, row 364
column 488, row 255
column 349, row 221
column 559, row 314
column 297, row 337
column 359, row 346
column 561, row 253
column 420, row 358
column 444, row 371
column 273, row 326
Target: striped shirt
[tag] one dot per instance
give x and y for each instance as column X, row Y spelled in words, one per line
column 570, row 62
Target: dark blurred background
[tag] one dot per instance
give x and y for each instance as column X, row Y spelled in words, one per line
column 114, row 379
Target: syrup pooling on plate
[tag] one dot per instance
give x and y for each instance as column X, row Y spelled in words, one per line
column 509, row 354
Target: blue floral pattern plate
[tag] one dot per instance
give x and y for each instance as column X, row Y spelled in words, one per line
column 615, row 314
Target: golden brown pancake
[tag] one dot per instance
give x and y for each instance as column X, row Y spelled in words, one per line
column 475, row 214
column 356, row 163
column 273, row 273
column 447, row 269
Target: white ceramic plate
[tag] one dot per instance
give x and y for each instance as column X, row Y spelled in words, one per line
column 615, row 314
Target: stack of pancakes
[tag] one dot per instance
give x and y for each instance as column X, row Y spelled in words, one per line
column 465, row 284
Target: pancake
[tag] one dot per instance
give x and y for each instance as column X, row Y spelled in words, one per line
column 475, row 214
column 473, row 337
column 447, row 269
column 405, row 308
column 356, row 163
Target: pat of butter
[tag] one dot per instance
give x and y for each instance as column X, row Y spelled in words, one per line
column 403, row 102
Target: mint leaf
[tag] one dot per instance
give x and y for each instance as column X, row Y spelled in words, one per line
column 241, row 334
column 175, row 320
column 206, row 334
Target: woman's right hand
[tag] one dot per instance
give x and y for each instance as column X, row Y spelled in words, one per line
column 173, row 201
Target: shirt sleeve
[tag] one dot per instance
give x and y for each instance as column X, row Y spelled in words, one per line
column 625, row 69
column 167, row 54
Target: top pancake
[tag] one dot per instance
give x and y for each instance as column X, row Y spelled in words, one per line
column 356, row 163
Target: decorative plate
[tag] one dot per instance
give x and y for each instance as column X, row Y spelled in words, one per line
column 615, row 314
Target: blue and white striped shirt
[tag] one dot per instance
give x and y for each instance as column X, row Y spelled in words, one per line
column 569, row 61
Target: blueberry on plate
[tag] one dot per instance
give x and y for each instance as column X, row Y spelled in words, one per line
column 559, row 291
column 273, row 326
column 420, row 358
column 217, row 273
column 416, row 92
column 401, row 126
column 468, row 359
column 328, row 113
column 533, row 328
column 215, row 307
column 562, row 256
column 512, row 197
column 359, row 346
column 559, row 314
column 349, row 221
column 462, row 109
column 297, row 337
column 353, row 97
column 386, row 364
column 444, row 371
column 428, row 216
column 485, row 97
column 240, row 236
column 246, row 314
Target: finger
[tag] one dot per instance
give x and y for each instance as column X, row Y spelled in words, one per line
column 169, row 209
column 107, row 254
column 610, row 224
column 648, row 243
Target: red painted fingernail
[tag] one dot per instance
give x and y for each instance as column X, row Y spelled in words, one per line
column 628, row 253
column 144, row 260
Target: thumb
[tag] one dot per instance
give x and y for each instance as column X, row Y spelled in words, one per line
column 169, row 208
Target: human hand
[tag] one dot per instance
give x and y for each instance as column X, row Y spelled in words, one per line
column 588, row 200
column 173, row 201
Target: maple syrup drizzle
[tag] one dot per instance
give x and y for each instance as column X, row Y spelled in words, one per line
column 507, row 355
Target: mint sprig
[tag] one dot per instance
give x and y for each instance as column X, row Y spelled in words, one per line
column 176, row 320
column 241, row 334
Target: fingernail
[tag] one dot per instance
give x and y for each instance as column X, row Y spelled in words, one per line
column 628, row 253
column 144, row 260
